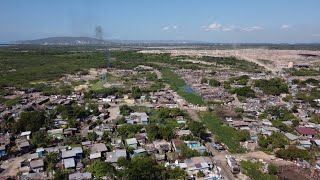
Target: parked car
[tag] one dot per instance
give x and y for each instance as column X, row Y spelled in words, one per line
column 218, row 147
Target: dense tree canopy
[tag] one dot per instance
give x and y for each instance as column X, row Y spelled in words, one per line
column 245, row 91
column 187, row 152
column 142, row 167
column 275, row 140
column 175, row 173
column 50, row 160
column 274, row 86
column 160, row 132
column 197, row 128
column 241, row 80
column 39, row 139
column 125, row 110
column 293, row 153
column 127, row 130
column 253, row 170
column 101, row 168
column 214, row 83
column 30, row 121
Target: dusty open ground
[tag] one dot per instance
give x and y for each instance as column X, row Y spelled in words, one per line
column 273, row 60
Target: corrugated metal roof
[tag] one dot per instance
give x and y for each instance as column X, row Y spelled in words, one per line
column 69, row 163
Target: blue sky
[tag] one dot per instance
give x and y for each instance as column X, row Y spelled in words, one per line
column 225, row 21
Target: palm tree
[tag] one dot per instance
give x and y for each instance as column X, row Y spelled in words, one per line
column 50, row 115
column 7, row 122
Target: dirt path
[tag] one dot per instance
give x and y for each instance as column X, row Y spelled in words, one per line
column 12, row 165
column 236, row 102
column 267, row 67
column 219, row 158
column 114, row 112
column 159, row 75
column 193, row 114
column 265, row 157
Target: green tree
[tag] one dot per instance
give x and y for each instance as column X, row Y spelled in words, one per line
column 295, row 122
column 30, row 121
column 127, row 129
column 101, row 168
column 121, row 120
column 262, row 141
column 60, row 175
column 244, row 135
column 187, row 152
column 274, row 86
column 39, row 139
column 204, row 80
column 106, row 137
column 51, row 159
column 293, row 153
column 275, row 140
column 167, row 132
column 73, row 140
column 200, row 174
column 142, row 167
column 50, row 115
column 272, row 169
column 245, row 91
column 197, row 128
column 214, row 83
column 92, row 136
column 136, row 92
column 175, row 173
column 153, row 132
column 72, row 123
column 123, row 162
column 253, row 170
column 125, row 110
column 8, row 121
column 315, row 119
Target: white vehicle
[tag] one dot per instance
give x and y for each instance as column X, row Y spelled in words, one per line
column 233, row 164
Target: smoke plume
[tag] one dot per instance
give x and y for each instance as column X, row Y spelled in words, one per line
column 99, row 32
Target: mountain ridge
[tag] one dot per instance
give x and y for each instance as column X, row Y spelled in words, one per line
column 70, row 40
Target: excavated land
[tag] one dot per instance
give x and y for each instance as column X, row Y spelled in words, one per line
column 273, row 60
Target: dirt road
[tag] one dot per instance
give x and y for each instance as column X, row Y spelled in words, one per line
column 159, row 75
column 12, row 165
column 219, row 158
column 114, row 111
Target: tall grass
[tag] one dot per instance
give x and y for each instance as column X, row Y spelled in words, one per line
column 223, row 133
column 176, row 83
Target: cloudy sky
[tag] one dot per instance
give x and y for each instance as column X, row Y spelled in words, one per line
column 227, row 21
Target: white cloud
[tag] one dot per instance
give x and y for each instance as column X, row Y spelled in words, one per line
column 229, row 28
column 174, row 27
column 285, row 26
column 253, row 28
column 213, row 27
column 218, row 27
column 165, row 28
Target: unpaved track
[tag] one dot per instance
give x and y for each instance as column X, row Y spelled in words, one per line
column 12, row 165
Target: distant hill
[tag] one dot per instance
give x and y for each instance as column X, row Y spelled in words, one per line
column 64, row 41
column 95, row 41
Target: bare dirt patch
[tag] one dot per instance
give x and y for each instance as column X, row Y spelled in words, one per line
column 273, row 60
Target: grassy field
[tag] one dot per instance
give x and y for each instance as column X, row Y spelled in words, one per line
column 235, row 63
column 223, row 133
column 176, row 83
column 26, row 68
column 20, row 65
column 98, row 85
column 41, row 67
